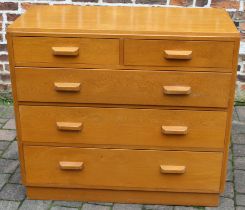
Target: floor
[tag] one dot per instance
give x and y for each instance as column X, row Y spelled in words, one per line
column 12, row 193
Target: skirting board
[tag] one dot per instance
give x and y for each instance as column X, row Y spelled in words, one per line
column 144, row 197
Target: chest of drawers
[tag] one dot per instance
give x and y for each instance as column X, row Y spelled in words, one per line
column 123, row 104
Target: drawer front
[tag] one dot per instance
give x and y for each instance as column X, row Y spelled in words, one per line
column 117, row 127
column 122, row 169
column 178, row 53
column 29, row 51
column 123, row 87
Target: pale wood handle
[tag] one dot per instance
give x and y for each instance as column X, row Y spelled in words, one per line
column 177, row 90
column 70, row 51
column 64, row 86
column 69, row 126
column 71, row 165
column 178, row 54
column 179, row 130
column 170, row 169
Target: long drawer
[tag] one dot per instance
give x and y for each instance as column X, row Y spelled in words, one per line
column 123, row 87
column 117, row 127
column 179, row 53
column 122, row 169
column 31, row 51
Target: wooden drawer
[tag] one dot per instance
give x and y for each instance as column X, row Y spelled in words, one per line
column 123, row 87
column 29, row 51
column 117, row 127
column 179, row 53
column 122, row 169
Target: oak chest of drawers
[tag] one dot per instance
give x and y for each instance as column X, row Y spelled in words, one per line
column 124, row 104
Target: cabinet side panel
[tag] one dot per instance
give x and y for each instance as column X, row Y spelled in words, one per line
column 16, row 105
column 229, row 116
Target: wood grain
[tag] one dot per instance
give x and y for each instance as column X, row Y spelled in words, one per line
column 69, row 126
column 171, row 169
column 69, row 87
column 126, row 21
column 204, row 53
column 123, row 169
column 92, row 51
column 77, row 166
column 124, row 127
column 119, row 59
column 177, row 90
column 178, row 54
column 123, row 87
column 123, row 196
column 229, row 117
column 69, row 51
column 174, row 130
column 16, row 107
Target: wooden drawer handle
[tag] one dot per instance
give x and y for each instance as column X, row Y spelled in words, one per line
column 178, row 54
column 70, row 51
column 179, row 130
column 71, row 165
column 169, row 169
column 177, row 90
column 70, row 87
column 69, row 126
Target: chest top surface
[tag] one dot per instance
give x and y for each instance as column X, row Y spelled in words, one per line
column 104, row 20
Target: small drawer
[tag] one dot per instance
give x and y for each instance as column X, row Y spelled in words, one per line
column 123, row 87
column 29, row 51
column 118, row 127
column 179, row 53
column 123, row 169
